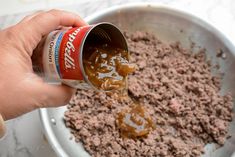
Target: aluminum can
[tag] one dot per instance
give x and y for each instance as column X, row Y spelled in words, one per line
column 59, row 56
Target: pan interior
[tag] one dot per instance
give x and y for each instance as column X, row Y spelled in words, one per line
column 168, row 25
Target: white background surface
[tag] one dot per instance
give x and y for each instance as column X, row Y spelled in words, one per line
column 18, row 6
column 25, row 135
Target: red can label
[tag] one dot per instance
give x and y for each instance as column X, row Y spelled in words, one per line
column 61, row 54
column 69, row 57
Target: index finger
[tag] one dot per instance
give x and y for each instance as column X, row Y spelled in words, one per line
column 46, row 22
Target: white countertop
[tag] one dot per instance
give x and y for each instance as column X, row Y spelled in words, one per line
column 25, row 134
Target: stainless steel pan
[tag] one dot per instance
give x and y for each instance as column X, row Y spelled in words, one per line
column 169, row 25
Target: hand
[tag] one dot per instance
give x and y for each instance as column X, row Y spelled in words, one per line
column 22, row 90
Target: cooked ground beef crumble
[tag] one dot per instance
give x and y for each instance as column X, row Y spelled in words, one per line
column 176, row 88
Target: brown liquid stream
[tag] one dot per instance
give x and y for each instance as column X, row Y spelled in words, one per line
column 107, row 68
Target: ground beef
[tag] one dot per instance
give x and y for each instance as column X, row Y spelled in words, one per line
column 176, row 88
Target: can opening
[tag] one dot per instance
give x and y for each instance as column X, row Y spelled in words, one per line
column 101, row 38
column 106, row 33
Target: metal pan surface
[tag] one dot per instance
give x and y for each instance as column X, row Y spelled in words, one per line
column 169, row 25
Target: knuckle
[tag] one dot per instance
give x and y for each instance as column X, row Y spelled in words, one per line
column 39, row 11
column 54, row 11
column 11, row 34
column 17, row 37
column 26, row 17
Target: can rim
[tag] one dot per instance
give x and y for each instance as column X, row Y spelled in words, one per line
column 82, row 47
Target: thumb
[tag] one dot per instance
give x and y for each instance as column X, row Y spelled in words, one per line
column 54, row 95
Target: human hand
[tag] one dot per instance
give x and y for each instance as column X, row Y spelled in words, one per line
column 22, row 90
